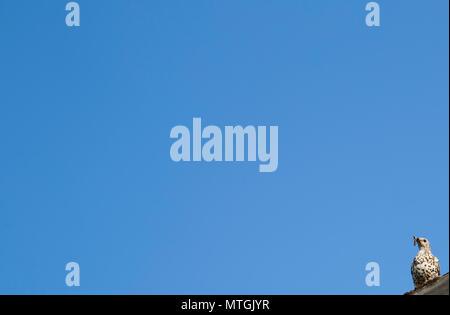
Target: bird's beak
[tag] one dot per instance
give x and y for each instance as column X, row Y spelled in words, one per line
column 415, row 240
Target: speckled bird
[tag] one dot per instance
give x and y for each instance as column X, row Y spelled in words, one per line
column 425, row 266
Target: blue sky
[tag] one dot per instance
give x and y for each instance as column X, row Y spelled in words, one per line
column 85, row 170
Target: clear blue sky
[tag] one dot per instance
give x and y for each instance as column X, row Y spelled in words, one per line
column 85, row 170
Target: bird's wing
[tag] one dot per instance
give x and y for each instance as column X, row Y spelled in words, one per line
column 438, row 266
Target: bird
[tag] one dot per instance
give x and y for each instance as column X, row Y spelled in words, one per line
column 425, row 266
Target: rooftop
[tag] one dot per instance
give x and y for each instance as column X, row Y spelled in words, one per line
column 437, row 287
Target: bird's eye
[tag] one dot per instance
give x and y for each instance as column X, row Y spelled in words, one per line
column 424, row 241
